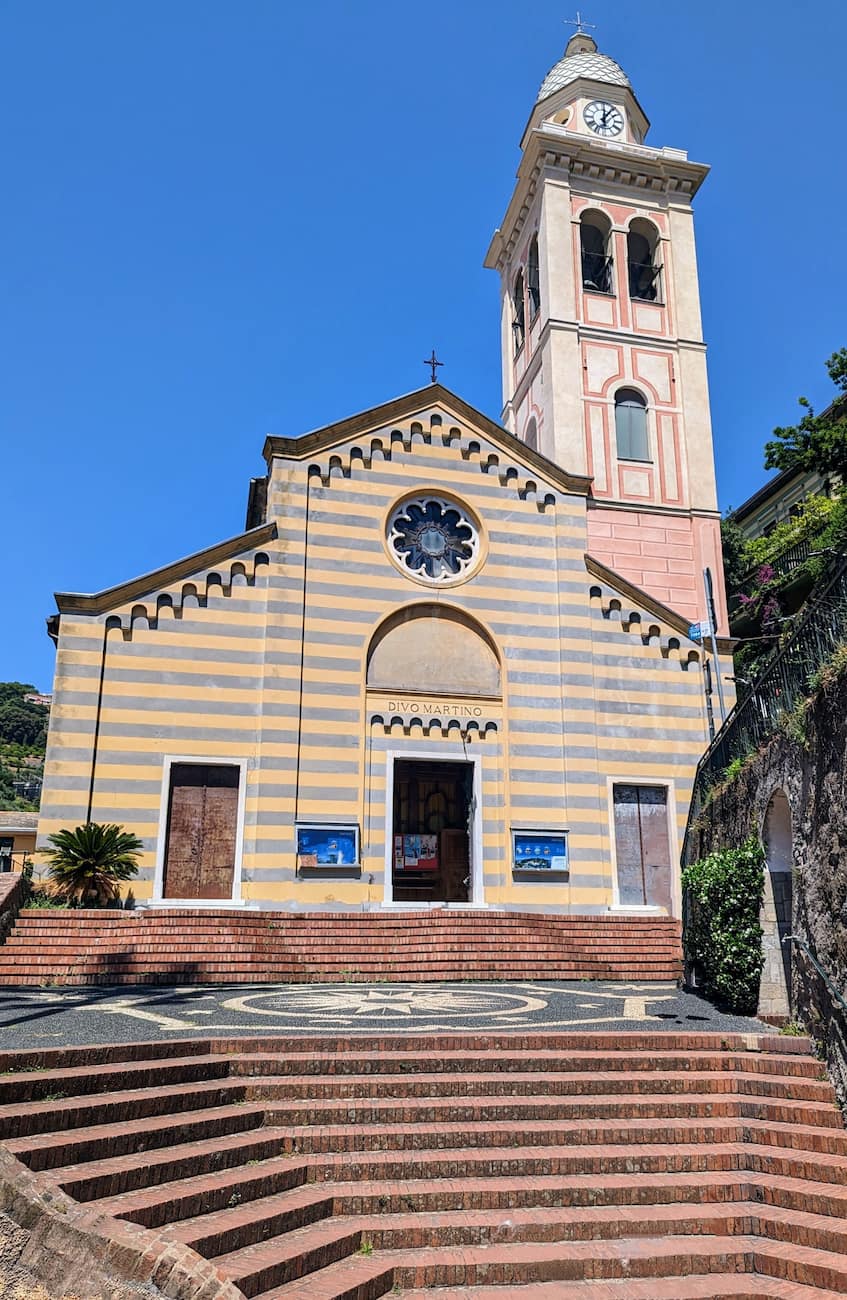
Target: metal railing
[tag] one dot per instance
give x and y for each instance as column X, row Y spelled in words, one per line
column 786, row 680
column 839, row 997
column 785, row 562
column 14, row 861
column 831, row 1031
column 596, row 272
column 645, row 281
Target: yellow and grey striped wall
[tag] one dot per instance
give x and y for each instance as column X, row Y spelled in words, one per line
column 255, row 652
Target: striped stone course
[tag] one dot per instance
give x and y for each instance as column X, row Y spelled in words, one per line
column 644, row 1166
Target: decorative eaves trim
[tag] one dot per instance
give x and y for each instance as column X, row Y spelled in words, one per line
column 638, row 597
column 403, row 408
column 100, row 601
column 650, row 171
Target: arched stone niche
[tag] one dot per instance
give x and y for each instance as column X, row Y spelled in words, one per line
column 436, row 650
column 775, row 918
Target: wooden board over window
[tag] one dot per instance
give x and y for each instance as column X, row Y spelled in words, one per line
column 643, row 845
column 202, row 830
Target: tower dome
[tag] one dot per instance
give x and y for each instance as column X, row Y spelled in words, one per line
column 582, row 59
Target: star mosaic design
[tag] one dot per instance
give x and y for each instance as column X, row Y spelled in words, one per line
column 411, row 1003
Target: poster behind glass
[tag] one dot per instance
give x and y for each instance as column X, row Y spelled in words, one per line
column 327, row 846
column 540, row 851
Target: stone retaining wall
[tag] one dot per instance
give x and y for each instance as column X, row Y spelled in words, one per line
column 793, row 794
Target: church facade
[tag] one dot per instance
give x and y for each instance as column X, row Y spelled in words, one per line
column 448, row 661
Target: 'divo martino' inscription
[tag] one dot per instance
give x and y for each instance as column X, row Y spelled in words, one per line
column 409, row 707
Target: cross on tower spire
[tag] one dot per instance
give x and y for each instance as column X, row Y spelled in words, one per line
column 579, row 23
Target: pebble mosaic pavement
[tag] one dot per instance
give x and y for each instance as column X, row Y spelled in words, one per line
column 74, row 1016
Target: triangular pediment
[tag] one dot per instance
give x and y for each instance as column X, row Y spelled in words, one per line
column 426, row 406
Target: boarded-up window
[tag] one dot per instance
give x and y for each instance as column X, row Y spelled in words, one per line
column 202, row 829
column 642, row 845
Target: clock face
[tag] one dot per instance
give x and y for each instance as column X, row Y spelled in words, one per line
column 603, row 119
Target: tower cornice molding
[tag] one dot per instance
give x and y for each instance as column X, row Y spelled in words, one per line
column 638, row 168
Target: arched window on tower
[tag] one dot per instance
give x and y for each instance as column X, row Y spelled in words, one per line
column 642, row 245
column 594, row 229
column 533, row 281
column 519, row 312
column 631, row 425
column 531, row 435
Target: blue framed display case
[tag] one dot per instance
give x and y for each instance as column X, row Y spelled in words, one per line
column 327, row 847
column 539, row 853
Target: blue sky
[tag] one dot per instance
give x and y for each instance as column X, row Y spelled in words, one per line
column 224, row 218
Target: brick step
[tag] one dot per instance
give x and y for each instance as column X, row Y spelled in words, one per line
column 712, row 1286
column 31, row 1100
column 243, row 1244
column 68, row 1115
column 393, row 1137
column 40, row 1152
column 199, row 1198
column 517, row 1263
column 186, row 975
column 522, row 1050
column 430, row 918
column 244, row 955
column 352, row 926
column 81, row 1080
column 519, row 1084
column 51, row 1150
column 496, row 1053
column 12, row 977
column 252, row 1163
column 400, row 937
column 58, row 1113
column 420, row 1111
column 207, row 952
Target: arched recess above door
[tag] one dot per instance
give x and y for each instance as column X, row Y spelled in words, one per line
column 434, row 649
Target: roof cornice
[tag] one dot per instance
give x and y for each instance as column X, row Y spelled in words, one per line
column 652, row 171
column 638, row 597
column 405, row 408
column 70, row 602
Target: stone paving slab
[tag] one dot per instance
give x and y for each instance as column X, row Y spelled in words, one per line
column 75, row 1016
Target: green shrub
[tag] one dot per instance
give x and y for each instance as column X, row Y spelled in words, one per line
column 811, row 519
column 722, row 932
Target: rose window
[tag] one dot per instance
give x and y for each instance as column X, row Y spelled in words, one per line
column 432, row 539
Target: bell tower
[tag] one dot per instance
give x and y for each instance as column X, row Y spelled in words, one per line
column 604, row 364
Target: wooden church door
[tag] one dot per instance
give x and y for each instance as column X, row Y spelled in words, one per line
column 643, row 845
column 202, row 831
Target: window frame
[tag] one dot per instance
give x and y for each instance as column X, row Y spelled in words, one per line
column 533, row 279
column 642, row 405
column 519, row 310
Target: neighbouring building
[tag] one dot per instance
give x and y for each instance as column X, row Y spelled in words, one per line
column 448, row 661
column 17, row 838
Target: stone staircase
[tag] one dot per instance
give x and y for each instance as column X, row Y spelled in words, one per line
column 548, row 1166
column 166, row 946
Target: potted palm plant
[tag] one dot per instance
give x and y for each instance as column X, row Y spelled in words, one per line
column 89, row 863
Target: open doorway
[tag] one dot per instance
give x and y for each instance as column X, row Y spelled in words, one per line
column 431, row 861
